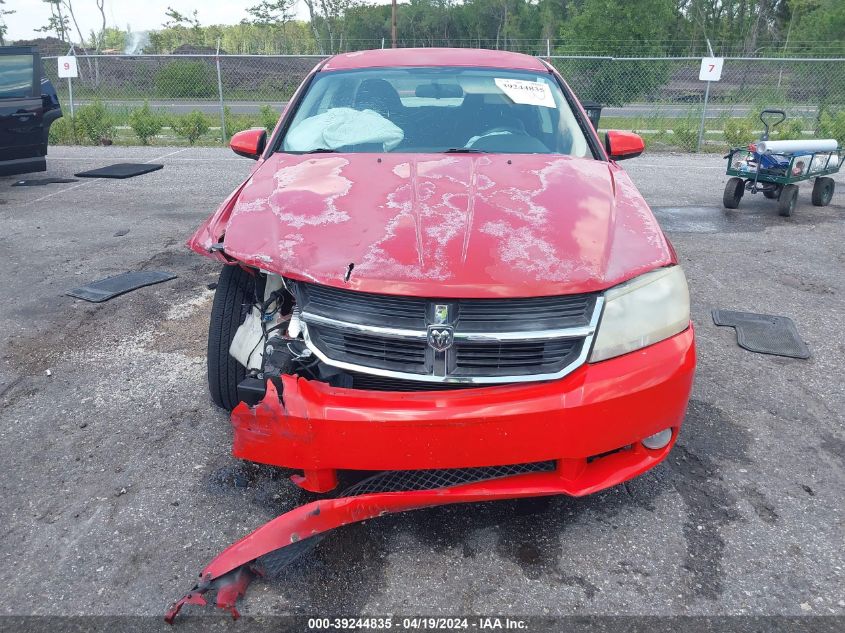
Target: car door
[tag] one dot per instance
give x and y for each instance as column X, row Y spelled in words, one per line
column 21, row 105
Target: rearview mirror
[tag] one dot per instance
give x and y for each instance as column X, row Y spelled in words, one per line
column 249, row 143
column 436, row 90
column 622, row 145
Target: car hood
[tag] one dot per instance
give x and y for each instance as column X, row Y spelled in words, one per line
column 463, row 225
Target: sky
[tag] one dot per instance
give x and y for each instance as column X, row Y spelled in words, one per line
column 142, row 15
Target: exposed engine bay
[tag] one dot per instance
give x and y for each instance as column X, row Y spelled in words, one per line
column 269, row 342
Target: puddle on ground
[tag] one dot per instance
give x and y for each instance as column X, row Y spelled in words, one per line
column 714, row 219
column 689, row 219
column 755, row 215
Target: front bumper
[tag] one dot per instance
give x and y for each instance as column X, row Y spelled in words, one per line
column 590, row 422
column 595, row 410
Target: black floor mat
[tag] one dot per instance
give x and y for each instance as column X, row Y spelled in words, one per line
column 105, row 289
column 764, row 333
column 38, row 182
column 120, row 170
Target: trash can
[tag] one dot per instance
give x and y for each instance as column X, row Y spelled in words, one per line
column 593, row 110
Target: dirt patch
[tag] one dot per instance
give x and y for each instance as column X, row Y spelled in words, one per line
column 184, row 328
column 806, row 285
column 762, row 506
column 709, row 438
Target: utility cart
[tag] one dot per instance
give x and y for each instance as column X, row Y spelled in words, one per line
column 776, row 174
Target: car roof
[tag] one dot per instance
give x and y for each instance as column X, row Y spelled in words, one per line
column 407, row 57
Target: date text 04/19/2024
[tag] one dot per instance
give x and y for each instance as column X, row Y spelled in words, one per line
column 419, row 623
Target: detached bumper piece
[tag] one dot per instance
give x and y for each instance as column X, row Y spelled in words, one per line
column 229, row 588
column 272, row 547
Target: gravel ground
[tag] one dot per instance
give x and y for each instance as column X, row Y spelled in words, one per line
column 118, row 487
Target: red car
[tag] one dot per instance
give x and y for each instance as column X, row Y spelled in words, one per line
column 437, row 269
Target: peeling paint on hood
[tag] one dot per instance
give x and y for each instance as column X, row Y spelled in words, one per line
column 463, row 225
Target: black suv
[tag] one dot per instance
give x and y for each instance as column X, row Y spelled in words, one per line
column 28, row 106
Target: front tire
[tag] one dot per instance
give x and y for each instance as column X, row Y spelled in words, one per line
column 733, row 192
column 233, row 298
column 787, row 200
column 823, row 191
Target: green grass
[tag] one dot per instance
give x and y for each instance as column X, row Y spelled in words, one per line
column 125, row 136
column 661, row 133
column 122, row 134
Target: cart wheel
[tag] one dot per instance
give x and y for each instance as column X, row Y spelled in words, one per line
column 733, row 192
column 772, row 194
column 822, row 191
column 787, row 200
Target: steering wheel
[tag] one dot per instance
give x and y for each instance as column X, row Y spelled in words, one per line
column 506, row 129
column 499, row 129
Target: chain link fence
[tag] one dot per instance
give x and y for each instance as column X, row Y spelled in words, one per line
column 662, row 98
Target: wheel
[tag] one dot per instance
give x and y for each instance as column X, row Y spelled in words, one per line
column 823, row 191
column 233, row 297
column 772, row 194
column 733, row 192
column 787, row 200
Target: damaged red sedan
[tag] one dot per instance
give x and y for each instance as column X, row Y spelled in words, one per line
column 437, row 270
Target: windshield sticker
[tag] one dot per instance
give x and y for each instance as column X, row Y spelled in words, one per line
column 527, row 92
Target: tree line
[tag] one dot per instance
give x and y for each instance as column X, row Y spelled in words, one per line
column 577, row 27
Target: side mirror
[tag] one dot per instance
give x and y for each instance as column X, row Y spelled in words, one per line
column 249, row 143
column 622, row 145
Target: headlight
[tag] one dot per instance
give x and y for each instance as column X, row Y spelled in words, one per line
column 641, row 312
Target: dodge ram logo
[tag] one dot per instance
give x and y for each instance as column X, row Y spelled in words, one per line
column 440, row 338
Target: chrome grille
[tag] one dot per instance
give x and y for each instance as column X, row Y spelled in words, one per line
column 371, row 351
column 471, row 315
column 494, row 340
column 362, row 307
column 536, row 313
column 514, row 357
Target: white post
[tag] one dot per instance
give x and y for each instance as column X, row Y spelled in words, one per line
column 548, row 48
column 70, row 95
column 703, row 114
column 220, row 95
column 72, row 51
column 706, row 98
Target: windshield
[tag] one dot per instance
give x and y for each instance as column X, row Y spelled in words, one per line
column 435, row 110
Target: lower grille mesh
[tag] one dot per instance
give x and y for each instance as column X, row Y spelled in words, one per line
column 407, row 480
column 371, row 382
column 276, row 562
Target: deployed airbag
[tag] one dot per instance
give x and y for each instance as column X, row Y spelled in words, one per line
column 340, row 127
